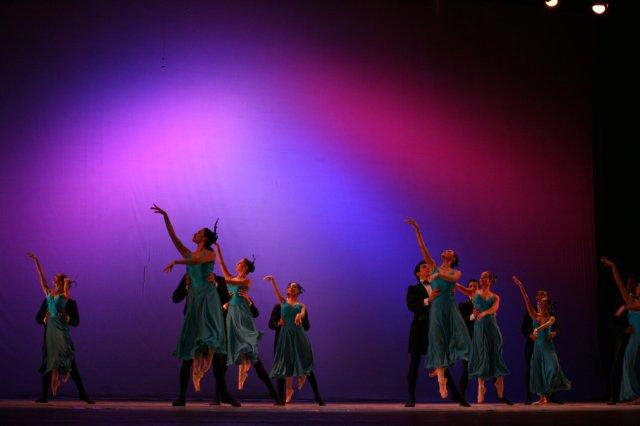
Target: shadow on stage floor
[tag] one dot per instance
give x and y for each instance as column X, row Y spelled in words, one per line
column 157, row 413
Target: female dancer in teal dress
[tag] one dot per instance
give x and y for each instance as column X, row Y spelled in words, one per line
column 546, row 375
column 449, row 340
column 58, row 361
column 293, row 355
column 242, row 336
column 630, row 385
column 202, row 332
column 486, row 345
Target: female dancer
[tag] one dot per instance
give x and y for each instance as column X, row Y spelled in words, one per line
column 630, row 385
column 202, row 332
column 449, row 340
column 546, row 376
column 58, row 361
column 293, row 356
column 242, row 336
column 486, row 348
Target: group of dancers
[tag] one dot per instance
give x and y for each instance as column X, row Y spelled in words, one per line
column 448, row 333
column 218, row 329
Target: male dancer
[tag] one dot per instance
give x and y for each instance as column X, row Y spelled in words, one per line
column 419, row 298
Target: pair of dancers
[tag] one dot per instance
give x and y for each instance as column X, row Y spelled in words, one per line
column 207, row 331
column 448, row 339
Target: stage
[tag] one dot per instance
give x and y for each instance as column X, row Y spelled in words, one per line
column 146, row 412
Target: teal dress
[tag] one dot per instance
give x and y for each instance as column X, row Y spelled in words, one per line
column 58, row 351
column 546, row 375
column 203, row 326
column 449, row 340
column 293, row 355
column 486, row 346
column 630, row 386
column 242, row 337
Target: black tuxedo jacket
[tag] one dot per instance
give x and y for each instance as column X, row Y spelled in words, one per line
column 526, row 328
column 419, row 330
column 275, row 317
column 466, row 309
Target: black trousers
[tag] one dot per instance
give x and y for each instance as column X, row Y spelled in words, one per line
column 75, row 376
column 412, row 378
column 615, row 374
column 528, row 351
column 311, row 378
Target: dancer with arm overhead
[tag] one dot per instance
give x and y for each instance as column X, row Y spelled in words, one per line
column 202, row 332
column 630, row 384
column 293, row 355
column 57, row 313
column 546, row 376
column 449, row 340
column 242, row 336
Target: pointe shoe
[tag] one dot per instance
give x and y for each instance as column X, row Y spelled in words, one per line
column 243, row 373
column 301, row 381
column 541, row 401
column 289, row 395
column 481, row 391
column 442, row 387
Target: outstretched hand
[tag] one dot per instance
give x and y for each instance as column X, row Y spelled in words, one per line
column 606, row 262
column 517, row 281
column 411, row 221
column 157, row 209
column 269, row 278
column 32, row 256
column 169, row 267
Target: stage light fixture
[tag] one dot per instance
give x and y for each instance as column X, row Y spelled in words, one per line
column 599, row 7
column 551, row 3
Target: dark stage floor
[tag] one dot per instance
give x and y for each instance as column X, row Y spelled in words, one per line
column 13, row 412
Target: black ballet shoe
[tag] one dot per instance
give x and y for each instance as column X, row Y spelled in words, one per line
column 554, row 399
column 505, row 400
column 42, row 400
column 232, row 402
column 279, row 403
column 321, row 402
column 179, row 403
column 214, row 402
column 410, row 403
column 611, row 402
column 88, row 400
column 464, row 403
column 527, row 402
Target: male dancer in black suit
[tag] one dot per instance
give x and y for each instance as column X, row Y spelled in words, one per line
column 275, row 323
column 466, row 310
column 219, row 360
column 71, row 315
column 419, row 298
column 526, row 328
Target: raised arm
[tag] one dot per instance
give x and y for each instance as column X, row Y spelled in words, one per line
column 184, row 251
column 276, row 290
column 465, row 290
column 616, row 277
column 525, row 297
column 43, row 280
column 225, row 271
column 423, row 247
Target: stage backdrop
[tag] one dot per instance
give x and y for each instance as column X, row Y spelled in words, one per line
column 311, row 131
